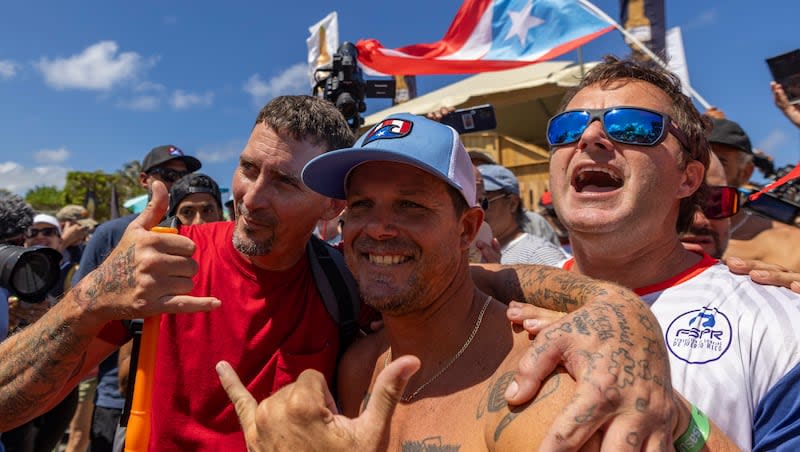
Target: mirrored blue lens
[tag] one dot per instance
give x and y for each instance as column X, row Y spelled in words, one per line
column 633, row 126
column 567, row 127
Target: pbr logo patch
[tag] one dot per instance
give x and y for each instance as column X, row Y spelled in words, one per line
column 699, row 336
column 388, row 128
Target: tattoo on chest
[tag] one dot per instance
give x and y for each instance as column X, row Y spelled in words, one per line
column 429, row 444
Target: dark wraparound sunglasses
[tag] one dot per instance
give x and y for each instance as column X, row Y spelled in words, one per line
column 167, row 174
column 628, row 125
column 46, row 232
column 721, row 202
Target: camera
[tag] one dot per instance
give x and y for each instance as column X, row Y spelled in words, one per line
column 345, row 87
column 29, row 273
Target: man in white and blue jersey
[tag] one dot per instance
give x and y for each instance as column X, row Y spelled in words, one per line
column 628, row 156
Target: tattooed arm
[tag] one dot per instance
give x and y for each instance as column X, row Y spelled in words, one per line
column 610, row 343
column 144, row 275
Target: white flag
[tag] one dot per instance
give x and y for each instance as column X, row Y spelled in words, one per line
column 323, row 43
column 676, row 59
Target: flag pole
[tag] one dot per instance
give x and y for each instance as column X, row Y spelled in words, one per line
column 597, row 11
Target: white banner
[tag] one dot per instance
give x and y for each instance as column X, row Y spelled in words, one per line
column 322, row 43
column 676, row 59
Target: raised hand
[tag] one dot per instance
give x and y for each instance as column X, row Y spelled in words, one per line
column 303, row 415
column 146, row 274
column 782, row 102
column 616, row 353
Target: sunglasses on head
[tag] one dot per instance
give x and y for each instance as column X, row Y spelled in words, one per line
column 628, row 125
column 167, row 174
column 47, row 232
column 721, row 202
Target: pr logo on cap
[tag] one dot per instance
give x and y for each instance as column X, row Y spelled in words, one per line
column 388, row 128
column 175, row 152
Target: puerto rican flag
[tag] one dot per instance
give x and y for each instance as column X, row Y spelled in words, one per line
column 490, row 35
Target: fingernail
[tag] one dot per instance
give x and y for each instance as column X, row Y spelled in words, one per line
column 513, row 311
column 512, row 389
column 759, row 273
column 221, row 367
column 530, row 323
column 735, row 261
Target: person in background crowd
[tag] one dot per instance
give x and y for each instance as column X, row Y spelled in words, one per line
column 753, row 236
column 506, row 215
column 195, row 199
column 166, row 164
column 547, row 211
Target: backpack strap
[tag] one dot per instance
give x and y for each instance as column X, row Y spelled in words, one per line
column 336, row 287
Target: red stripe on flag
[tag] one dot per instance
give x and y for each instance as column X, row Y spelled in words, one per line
column 369, row 55
column 460, row 30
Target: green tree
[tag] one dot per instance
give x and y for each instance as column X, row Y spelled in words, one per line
column 45, row 198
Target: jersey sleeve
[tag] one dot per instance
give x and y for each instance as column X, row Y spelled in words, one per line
column 776, row 423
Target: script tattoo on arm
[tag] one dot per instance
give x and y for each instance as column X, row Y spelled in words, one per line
column 36, row 363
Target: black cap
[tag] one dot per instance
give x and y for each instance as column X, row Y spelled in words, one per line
column 165, row 153
column 190, row 184
column 727, row 132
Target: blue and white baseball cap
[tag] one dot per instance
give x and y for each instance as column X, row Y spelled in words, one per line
column 404, row 138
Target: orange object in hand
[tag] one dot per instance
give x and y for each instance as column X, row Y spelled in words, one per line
column 137, row 436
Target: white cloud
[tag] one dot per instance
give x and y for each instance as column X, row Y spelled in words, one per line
column 98, row 67
column 701, row 20
column 775, row 140
column 148, row 86
column 220, row 153
column 8, row 69
column 141, row 103
column 182, row 100
column 19, row 179
column 293, row 80
column 51, row 155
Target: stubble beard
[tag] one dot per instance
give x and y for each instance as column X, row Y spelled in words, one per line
column 242, row 240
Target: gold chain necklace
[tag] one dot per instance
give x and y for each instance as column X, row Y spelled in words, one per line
column 458, row 354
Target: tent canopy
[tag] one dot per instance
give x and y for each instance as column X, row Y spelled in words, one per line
column 523, row 98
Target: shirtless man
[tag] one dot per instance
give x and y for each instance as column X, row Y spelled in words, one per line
column 752, row 236
column 411, row 218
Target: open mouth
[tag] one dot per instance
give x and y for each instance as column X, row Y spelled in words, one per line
column 595, row 179
column 382, row 259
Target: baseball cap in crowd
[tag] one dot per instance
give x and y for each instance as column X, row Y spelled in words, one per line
column 479, row 157
column 498, row 177
column 76, row 213
column 165, row 153
column 48, row 219
column 404, row 138
column 727, row 132
column 191, row 184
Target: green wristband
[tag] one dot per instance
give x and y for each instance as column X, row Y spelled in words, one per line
column 696, row 434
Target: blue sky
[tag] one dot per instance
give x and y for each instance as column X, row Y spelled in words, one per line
column 94, row 84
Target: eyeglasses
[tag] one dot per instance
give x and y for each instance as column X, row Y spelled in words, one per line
column 722, row 202
column 167, row 174
column 628, row 125
column 47, row 232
